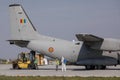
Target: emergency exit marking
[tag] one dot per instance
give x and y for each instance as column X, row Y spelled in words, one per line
column 51, row 49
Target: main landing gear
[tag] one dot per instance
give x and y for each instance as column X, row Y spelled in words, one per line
column 93, row 67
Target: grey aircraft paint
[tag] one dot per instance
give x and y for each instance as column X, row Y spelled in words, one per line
column 90, row 51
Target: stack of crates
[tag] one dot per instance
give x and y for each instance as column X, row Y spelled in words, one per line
column 40, row 58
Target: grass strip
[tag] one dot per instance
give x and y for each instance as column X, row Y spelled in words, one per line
column 56, row 78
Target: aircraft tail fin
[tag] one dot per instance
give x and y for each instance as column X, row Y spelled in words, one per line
column 21, row 26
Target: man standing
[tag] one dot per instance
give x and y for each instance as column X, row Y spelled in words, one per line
column 36, row 62
column 63, row 61
column 57, row 64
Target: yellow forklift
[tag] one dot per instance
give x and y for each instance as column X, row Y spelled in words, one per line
column 25, row 61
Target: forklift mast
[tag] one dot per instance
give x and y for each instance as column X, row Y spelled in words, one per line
column 32, row 56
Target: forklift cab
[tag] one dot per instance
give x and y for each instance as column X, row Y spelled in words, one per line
column 25, row 61
column 23, row 58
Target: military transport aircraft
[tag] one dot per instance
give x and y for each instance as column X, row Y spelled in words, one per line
column 90, row 51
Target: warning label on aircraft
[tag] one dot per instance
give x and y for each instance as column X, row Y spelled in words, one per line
column 51, row 49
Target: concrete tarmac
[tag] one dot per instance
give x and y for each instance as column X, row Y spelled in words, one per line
column 49, row 70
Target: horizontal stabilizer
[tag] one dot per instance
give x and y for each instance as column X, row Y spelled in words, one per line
column 21, row 43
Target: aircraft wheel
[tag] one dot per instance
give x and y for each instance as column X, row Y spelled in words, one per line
column 101, row 67
column 92, row 67
column 89, row 67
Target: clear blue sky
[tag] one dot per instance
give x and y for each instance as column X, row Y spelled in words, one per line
column 62, row 19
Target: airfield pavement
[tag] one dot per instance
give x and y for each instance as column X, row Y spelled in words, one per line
column 49, row 70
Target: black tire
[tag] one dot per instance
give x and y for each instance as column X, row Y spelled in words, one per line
column 14, row 66
column 89, row 67
column 101, row 67
column 29, row 66
column 92, row 67
column 17, row 67
column 32, row 66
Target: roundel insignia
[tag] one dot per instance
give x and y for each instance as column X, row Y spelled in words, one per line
column 51, row 49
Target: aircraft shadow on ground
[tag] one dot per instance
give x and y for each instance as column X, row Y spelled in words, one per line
column 77, row 69
column 96, row 69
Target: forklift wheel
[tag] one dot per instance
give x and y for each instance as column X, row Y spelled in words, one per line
column 29, row 67
column 15, row 66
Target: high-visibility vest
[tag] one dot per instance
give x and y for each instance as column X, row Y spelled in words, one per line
column 57, row 62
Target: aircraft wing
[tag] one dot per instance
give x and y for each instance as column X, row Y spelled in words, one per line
column 92, row 41
column 88, row 38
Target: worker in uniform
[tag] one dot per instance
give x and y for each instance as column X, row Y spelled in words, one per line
column 63, row 61
column 35, row 62
column 57, row 64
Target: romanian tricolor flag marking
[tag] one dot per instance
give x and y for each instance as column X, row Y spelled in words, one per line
column 22, row 21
